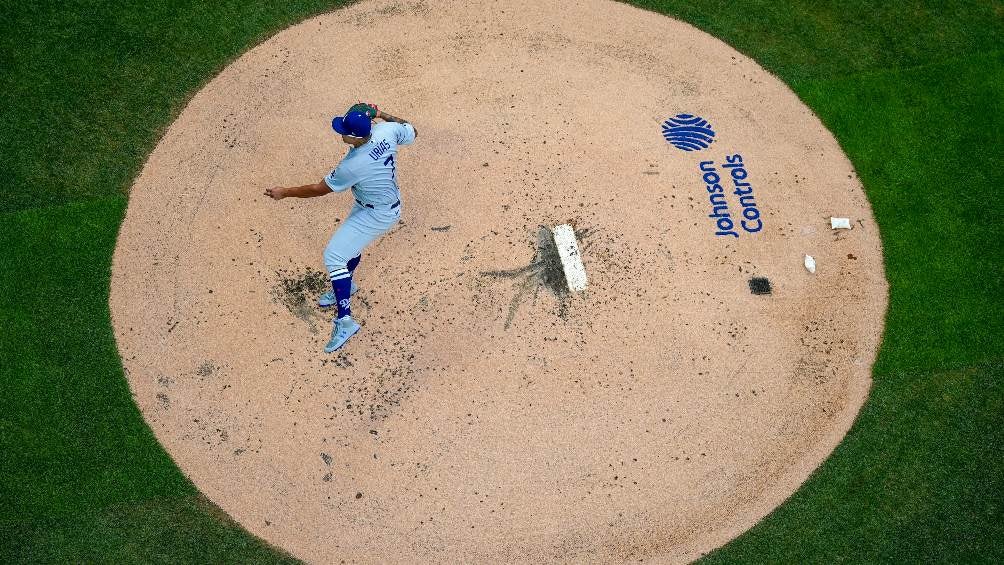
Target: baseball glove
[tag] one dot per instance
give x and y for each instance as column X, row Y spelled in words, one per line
column 369, row 109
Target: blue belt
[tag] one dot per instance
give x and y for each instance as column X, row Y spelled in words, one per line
column 392, row 206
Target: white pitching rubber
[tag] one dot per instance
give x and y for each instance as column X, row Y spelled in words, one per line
column 840, row 223
column 571, row 261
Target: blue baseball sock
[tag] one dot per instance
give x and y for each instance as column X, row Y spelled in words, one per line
column 353, row 263
column 341, row 284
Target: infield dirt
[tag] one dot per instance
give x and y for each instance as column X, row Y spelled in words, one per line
column 482, row 414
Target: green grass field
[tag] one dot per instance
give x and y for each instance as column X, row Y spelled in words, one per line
column 914, row 92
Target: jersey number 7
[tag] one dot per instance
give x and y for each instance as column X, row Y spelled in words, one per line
column 393, row 169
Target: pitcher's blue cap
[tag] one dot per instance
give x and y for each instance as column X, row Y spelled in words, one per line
column 356, row 124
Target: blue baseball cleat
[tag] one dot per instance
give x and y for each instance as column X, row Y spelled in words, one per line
column 328, row 298
column 343, row 328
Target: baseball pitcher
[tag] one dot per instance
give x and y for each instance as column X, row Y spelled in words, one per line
column 370, row 170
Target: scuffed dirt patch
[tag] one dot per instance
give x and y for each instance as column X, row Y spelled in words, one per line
column 544, row 272
column 298, row 291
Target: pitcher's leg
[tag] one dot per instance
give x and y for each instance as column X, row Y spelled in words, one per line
column 341, row 257
column 352, row 264
column 328, row 298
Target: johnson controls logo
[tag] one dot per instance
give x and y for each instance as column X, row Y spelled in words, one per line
column 687, row 132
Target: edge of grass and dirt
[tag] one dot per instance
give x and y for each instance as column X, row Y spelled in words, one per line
column 913, row 93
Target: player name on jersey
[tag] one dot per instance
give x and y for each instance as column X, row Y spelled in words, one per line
column 379, row 150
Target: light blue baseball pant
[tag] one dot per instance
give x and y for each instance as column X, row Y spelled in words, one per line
column 362, row 227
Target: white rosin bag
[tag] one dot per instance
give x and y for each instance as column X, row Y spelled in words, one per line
column 840, row 223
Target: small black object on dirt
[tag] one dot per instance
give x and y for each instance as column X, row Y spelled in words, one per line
column 759, row 285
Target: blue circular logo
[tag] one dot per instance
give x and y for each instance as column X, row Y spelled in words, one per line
column 687, row 132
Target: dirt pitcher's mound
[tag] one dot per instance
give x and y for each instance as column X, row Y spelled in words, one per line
column 482, row 414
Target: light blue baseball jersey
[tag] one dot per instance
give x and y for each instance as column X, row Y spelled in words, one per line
column 371, row 169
